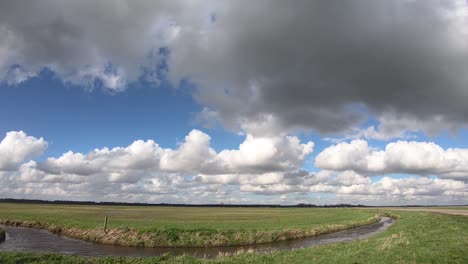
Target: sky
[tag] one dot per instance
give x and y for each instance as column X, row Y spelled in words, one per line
column 263, row 102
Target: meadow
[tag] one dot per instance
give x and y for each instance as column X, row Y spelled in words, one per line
column 182, row 226
column 416, row 237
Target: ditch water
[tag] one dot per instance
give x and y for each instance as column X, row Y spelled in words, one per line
column 21, row 239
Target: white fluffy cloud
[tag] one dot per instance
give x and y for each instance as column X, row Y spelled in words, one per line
column 260, row 154
column 144, row 168
column 350, row 178
column 356, row 155
column 255, row 155
column 143, row 171
column 18, row 147
column 350, row 187
column 421, row 158
column 390, row 191
column 195, row 173
column 191, row 156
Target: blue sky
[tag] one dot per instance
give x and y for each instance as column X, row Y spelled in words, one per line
column 236, row 106
column 72, row 118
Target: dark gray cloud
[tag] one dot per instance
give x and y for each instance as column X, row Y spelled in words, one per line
column 321, row 65
column 83, row 41
column 318, row 64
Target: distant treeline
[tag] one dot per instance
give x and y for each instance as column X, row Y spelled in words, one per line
column 33, row 201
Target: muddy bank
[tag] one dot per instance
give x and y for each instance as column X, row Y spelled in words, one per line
column 2, row 235
column 172, row 237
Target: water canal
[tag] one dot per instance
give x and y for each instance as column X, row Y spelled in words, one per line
column 21, row 239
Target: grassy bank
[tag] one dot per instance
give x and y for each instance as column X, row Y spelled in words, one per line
column 415, row 238
column 182, row 226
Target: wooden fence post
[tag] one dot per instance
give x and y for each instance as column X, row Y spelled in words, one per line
column 105, row 223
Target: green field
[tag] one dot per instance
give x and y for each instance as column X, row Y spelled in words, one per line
column 183, row 226
column 450, row 207
column 429, row 207
column 149, row 218
column 417, row 237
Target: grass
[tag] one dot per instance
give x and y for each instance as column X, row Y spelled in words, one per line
column 414, row 238
column 182, row 226
column 148, row 218
column 450, row 207
column 417, row 237
column 462, row 207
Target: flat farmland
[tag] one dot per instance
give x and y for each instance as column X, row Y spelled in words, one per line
column 151, row 226
column 152, row 217
column 416, row 237
column 454, row 210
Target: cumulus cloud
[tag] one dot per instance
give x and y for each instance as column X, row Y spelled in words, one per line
column 195, row 173
column 18, row 147
column 145, row 168
column 412, row 190
column 193, row 156
column 259, row 154
column 350, row 178
column 421, row 158
column 351, row 187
